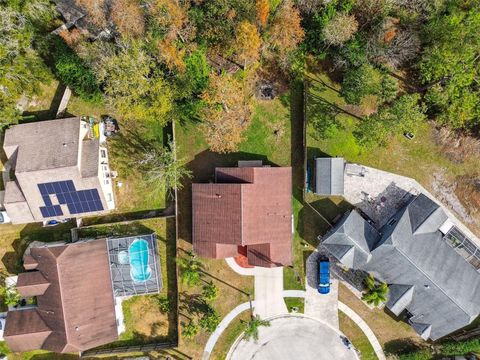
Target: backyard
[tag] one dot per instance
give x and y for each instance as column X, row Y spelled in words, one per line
column 423, row 158
column 145, row 322
column 127, row 149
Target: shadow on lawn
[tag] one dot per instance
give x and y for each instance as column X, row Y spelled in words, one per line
column 51, row 112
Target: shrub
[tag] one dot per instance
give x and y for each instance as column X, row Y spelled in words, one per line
column 73, row 72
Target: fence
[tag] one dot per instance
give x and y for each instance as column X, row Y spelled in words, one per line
column 128, row 349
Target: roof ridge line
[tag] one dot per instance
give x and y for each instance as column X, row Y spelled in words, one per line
column 428, row 277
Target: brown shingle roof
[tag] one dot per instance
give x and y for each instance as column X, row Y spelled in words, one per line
column 25, row 329
column 32, row 283
column 249, row 206
column 78, row 305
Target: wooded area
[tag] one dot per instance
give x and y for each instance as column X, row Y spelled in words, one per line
column 399, row 62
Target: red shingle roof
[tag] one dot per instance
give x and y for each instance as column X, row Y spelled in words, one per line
column 77, row 307
column 250, row 206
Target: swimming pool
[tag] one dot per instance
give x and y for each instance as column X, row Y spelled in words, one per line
column 138, row 255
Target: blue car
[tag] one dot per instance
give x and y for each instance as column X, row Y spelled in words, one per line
column 323, row 276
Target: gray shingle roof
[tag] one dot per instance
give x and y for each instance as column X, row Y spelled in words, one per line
column 45, row 144
column 425, row 275
column 329, row 176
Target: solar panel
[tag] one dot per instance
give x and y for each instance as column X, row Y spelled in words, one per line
column 81, row 201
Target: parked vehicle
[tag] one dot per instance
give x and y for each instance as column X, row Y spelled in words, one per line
column 324, row 276
column 346, row 342
column 4, row 217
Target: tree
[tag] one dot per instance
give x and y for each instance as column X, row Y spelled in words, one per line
column 227, row 112
column 323, row 118
column 209, row 320
column 286, row 31
column 164, row 304
column 10, row 295
column 209, row 291
column 164, row 171
column 404, row 114
column 263, row 9
column 22, row 71
column 340, row 29
column 247, row 42
column 128, row 16
column 190, row 269
column 251, row 327
column 374, row 293
column 190, row 329
column 449, row 66
column 360, row 82
column 134, row 85
column 96, row 11
column 73, row 72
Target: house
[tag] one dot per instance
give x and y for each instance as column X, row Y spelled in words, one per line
column 329, row 176
column 77, row 16
column 60, row 171
column 430, row 266
column 248, row 210
column 76, row 287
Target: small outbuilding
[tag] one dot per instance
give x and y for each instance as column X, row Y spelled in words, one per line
column 329, row 176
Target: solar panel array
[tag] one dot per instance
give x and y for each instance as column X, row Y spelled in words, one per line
column 81, row 201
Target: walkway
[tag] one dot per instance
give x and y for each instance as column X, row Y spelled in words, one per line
column 222, row 326
column 365, row 328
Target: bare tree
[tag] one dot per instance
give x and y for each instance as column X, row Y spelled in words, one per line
column 340, row 29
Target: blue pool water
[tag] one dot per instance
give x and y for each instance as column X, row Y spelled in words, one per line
column 138, row 255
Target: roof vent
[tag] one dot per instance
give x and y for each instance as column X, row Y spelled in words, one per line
column 64, row 144
column 218, row 196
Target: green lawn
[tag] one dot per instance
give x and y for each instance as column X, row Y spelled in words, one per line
column 298, row 303
column 357, row 337
column 418, row 158
column 228, row 337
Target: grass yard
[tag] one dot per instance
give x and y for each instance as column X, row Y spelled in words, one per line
column 233, row 290
column 298, row 303
column 268, row 138
column 144, row 321
column 421, row 158
column 14, row 240
column 126, row 150
column 357, row 337
column 228, row 337
column 394, row 335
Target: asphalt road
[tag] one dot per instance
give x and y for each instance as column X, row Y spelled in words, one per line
column 293, row 337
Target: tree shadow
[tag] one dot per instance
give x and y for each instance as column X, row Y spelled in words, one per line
column 401, row 346
column 50, row 113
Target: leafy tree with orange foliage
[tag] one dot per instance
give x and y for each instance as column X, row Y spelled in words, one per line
column 247, row 44
column 286, row 31
column 128, row 17
column 95, row 10
column 263, row 9
column 227, row 112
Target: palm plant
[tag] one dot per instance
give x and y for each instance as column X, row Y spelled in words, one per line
column 375, row 293
column 190, row 329
column 209, row 291
column 190, row 269
column 251, row 327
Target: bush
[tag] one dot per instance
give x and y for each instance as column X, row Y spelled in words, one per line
column 164, row 304
column 420, row 355
column 73, row 72
column 461, row 348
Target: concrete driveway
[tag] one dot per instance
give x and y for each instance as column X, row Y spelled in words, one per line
column 323, row 307
column 269, row 292
column 293, row 337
